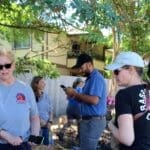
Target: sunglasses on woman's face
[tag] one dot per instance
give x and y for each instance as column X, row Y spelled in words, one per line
column 117, row 71
column 6, row 66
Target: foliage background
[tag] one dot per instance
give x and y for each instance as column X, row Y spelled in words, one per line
column 127, row 19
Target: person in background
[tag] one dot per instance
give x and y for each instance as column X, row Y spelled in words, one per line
column 44, row 107
column 18, row 110
column 93, row 103
column 131, row 126
column 73, row 110
column 74, row 107
column 112, row 88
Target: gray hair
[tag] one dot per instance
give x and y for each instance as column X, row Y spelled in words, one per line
column 8, row 53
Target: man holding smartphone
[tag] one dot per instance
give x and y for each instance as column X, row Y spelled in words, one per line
column 93, row 103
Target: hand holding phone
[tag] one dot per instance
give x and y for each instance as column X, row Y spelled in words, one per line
column 36, row 139
column 70, row 92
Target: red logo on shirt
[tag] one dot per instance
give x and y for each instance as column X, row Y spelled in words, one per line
column 20, row 98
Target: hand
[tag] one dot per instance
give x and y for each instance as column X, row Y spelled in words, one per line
column 48, row 124
column 70, row 92
column 42, row 122
column 33, row 145
column 11, row 139
column 14, row 140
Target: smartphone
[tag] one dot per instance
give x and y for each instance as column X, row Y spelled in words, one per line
column 36, row 139
column 62, row 86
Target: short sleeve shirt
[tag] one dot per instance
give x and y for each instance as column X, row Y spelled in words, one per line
column 16, row 108
column 94, row 86
column 45, row 106
column 132, row 100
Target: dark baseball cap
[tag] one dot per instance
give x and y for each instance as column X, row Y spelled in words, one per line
column 82, row 58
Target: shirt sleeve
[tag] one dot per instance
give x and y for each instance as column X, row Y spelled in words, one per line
column 123, row 103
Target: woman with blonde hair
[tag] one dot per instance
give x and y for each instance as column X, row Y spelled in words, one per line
column 18, row 110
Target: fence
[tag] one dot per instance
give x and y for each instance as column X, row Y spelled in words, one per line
column 56, row 93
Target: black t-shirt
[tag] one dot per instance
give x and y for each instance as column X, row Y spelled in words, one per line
column 132, row 101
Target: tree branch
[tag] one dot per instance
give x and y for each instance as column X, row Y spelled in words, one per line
column 37, row 27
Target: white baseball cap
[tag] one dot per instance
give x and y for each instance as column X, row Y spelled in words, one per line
column 126, row 58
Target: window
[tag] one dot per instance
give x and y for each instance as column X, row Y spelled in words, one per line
column 22, row 43
column 75, row 47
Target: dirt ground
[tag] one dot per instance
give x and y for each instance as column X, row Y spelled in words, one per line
column 70, row 139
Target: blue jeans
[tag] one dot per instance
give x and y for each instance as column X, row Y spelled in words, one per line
column 90, row 132
column 45, row 133
column 73, row 111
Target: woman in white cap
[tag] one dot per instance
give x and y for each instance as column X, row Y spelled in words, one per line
column 131, row 126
